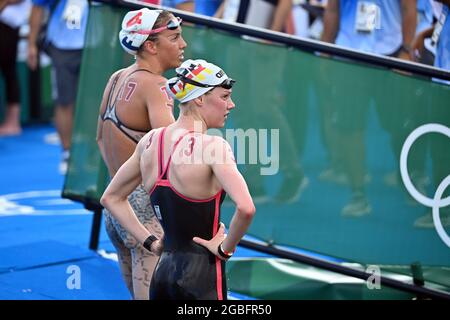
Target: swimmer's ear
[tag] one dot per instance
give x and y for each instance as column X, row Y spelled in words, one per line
column 150, row 46
column 199, row 101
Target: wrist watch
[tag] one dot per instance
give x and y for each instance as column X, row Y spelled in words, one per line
column 224, row 254
column 148, row 242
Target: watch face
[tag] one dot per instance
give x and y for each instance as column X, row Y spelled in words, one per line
column 148, row 242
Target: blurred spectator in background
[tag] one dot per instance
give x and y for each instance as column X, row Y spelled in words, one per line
column 269, row 14
column 441, row 37
column 64, row 43
column 13, row 14
column 424, row 15
column 307, row 18
column 437, row 39
column 206, row 7
column 424, row 45
column 3, row 4
column 186, row 5
column 383, row 27
column 426, row 52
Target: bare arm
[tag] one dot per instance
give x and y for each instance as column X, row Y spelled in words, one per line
column 281, row 15
column 99, row 137
column 220, row 10
column 186, row 6
column 417, row 46
column 115, row 197
column 409, row 21
column 159, row 106
column 331, row 21
column 36, row 17
column 236, row 187
column 3, row 4
column 234, row 184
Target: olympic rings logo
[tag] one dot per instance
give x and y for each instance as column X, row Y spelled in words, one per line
column 437, row 202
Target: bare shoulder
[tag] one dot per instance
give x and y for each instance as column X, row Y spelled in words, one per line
column 111, row 79
column 107, row 89
column 150, row 85
column 114, row 75
column 151, row 79
column 216, row 140
column 147, row 140
column 218, row 149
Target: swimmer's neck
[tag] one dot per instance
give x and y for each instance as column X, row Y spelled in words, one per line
column 191, row 123
column 152, row 66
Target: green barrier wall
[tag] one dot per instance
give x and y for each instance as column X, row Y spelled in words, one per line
column 329, row 113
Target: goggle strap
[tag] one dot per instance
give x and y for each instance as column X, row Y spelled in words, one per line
column 157, row 30
column 227, row 84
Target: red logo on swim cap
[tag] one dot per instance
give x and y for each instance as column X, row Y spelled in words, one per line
column 135, row 20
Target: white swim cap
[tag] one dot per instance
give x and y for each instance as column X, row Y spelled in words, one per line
column 135, row 27
column 195, row 78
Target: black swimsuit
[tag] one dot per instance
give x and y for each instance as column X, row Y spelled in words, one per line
column 186, row 270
